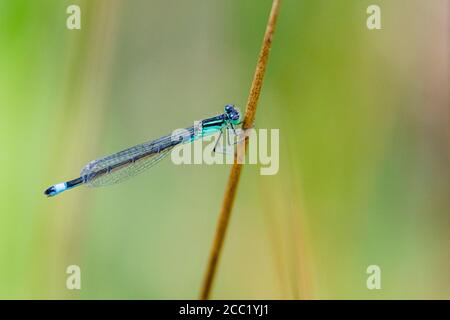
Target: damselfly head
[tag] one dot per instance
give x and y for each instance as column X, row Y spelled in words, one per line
column 232, row 113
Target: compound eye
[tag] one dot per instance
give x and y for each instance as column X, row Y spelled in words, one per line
column 228, row 108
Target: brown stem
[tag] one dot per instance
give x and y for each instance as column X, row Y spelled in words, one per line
column 236, row 169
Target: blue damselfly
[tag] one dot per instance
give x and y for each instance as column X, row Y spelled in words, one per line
column 129, row 162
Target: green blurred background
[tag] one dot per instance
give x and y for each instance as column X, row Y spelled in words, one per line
column 364, row 161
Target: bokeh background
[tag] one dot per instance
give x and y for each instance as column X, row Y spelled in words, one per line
column 364, row 161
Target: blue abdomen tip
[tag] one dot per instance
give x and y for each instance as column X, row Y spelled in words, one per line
column 55, row 189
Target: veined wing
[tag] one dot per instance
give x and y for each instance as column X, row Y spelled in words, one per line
column 127, row 163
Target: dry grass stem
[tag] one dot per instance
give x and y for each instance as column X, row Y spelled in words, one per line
column 236, row 169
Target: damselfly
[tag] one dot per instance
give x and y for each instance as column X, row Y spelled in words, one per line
column 127, row 163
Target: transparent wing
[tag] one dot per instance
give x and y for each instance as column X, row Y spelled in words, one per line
column 132, row 161
column 125, row 171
